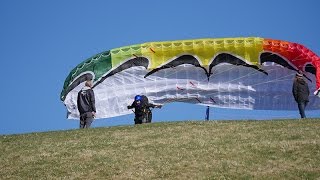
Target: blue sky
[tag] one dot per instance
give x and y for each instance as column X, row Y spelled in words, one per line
column 41, row 41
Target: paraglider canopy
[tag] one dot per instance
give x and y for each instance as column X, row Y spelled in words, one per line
column 241, row 73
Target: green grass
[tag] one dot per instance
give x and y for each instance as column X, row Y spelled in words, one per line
column 275, row 149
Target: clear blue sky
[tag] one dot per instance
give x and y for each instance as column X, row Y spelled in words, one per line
column 42, row 41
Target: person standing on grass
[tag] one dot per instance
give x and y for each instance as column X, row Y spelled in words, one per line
column 86, row 105
column 300, row 91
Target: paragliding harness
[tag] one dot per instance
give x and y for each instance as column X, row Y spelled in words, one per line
column 147, row 113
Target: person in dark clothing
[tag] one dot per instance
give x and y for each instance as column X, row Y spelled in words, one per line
column 142, row 110
column 300, row 92
column 86, row 105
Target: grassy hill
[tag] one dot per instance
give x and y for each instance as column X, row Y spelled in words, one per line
column 275, row 149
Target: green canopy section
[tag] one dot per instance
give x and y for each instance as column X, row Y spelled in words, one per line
column 95, row 67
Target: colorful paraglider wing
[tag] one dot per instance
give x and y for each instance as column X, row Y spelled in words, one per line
column 243, row 73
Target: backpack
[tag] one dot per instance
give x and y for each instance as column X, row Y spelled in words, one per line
column 148, row 112
column 144, row 100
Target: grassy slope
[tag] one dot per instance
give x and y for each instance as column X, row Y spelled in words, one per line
column 274, row 149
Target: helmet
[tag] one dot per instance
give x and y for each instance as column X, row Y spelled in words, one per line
column 137, row 98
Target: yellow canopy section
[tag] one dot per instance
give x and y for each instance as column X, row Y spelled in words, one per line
column 204, row 50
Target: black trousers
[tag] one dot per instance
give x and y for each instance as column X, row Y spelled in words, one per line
column 144, row 118
column 86, row 120
column 139, row 119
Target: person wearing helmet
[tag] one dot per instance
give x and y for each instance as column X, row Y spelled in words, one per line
column 141, row 107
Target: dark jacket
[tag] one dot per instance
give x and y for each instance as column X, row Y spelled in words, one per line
column 140, row 109
column 300, row 90
column 86, row 101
